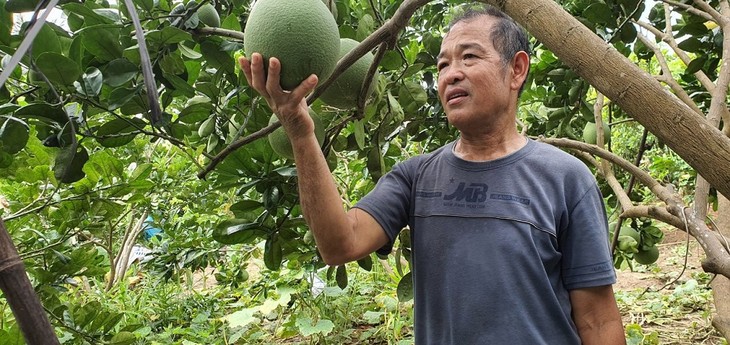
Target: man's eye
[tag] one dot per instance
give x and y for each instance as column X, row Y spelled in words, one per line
column 441, row 66
column 469, row 56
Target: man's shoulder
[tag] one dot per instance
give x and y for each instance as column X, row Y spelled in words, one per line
column 555, row 158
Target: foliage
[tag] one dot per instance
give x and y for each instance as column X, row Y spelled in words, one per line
column 84, row 154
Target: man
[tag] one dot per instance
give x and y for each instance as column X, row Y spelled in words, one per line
column 509, row 235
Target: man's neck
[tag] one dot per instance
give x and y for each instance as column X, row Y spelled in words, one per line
column 487, row 147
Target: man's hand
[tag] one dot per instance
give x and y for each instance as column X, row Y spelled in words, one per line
column 289, row 106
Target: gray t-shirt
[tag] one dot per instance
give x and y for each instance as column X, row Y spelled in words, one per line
column 496, row 245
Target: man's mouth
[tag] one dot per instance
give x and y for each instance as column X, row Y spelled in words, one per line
column 456, row 96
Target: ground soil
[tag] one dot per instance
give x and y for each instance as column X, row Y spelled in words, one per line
column 692, row 327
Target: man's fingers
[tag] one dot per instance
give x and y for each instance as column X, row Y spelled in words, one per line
column 305, row 87
column 272, row 82
column 258, row 75
column 246, row 68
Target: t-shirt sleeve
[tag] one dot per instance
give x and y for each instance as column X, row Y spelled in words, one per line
column 587, row 260
column 389, row 201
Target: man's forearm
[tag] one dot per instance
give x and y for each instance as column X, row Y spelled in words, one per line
column 610, row 332
column 321, row 202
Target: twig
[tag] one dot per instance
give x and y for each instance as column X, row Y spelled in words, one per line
column 689, row 9
column 387, row 31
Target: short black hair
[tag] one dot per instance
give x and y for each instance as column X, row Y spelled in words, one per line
column 508, row 37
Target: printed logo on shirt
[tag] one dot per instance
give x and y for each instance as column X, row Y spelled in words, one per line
column 475, row 192
column 508, row 197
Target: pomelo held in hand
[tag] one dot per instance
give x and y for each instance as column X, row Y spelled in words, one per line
column 280, row 142
column 344, row 91
column 302, row 34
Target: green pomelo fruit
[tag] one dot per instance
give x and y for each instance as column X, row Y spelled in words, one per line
column 628, row 244
column 208, row 15
column 647, row 256
column 589, row 133
column 344, row 91
column 280, row 142
column 629, row 231
column 302, row 34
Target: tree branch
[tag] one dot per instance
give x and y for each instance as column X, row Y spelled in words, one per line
column 208, row 30
column 718, row 258
column 706, row 8
column 385, row 34
column 689, row 9
column 666, row 75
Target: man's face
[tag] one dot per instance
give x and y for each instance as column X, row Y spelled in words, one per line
column 474, row 84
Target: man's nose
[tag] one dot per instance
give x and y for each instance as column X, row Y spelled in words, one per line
column 453, row 74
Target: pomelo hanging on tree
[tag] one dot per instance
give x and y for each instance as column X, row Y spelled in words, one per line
column 344, row 91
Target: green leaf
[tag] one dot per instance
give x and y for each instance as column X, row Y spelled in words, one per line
column 405, row 288
column 696, row 64
column 695, row 29
column 234, row 231
column 6, row 160
column 18, row 6
column 58, row 68
column 120, row 96
column 216, row 57
column 172, row 64
column 359, row 129
column 42, row 111
column 119, row 71
column 412, row 92
column 181, row 86
column 691, row 45
column 231, row 23
column 628, row 33
column 196, row 112
column 273, row 253
column 103, row 43
column 168, row 35
column 244, row 206
column 392, row 60
column 146, row 5
column 6, row 25
column 91, row 82
column 90, row 16
column 366, row 263
column 70, row 163
column 341, row 276
column 14, row 134
column 599, row 13
column 115, row 132
column 307, row 327
column 241, row 318
column 189, row 52
column 365, row 25
column 46, row 41
column 123, row 338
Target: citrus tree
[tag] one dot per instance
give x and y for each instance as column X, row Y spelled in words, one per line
column 120, row 111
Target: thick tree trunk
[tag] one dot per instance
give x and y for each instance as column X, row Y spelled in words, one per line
column 20, row 295
column 640, row 95
column 721, row 285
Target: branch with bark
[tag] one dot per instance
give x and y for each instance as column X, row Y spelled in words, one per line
column 680, row 127
column 21, row 296
column 718, row 258
column 387, row 33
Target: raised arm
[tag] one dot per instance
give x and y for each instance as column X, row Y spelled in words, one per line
column 340, row 236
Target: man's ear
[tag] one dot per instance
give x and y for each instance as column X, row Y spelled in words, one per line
column 520, row 67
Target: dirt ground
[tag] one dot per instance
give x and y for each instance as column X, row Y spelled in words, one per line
column 691, row 327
